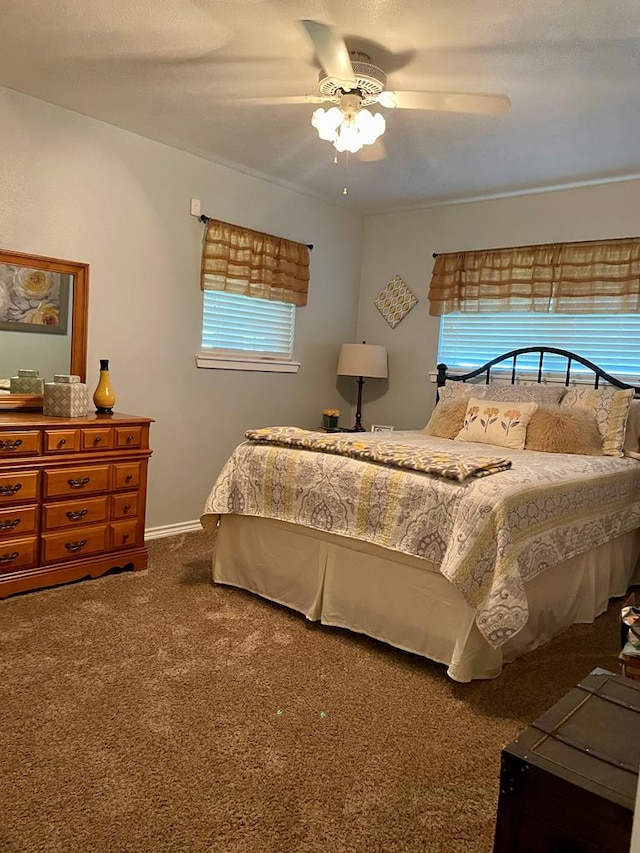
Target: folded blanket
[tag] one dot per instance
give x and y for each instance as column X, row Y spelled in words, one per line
column 394, row 453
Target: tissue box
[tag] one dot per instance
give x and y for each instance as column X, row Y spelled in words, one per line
column 26, row 382
column 68, row 398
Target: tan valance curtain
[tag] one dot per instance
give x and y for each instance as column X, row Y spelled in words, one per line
column 250, row 263
column 568, row 278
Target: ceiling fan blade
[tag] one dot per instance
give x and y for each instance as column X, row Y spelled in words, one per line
column 331, row 52
column 373, row 152
column 284, row 99
column 454, row 102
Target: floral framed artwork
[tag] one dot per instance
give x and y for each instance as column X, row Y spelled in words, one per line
column 33, row 299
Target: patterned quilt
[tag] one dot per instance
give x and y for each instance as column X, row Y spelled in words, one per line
column 398, row 454
column 488, row 535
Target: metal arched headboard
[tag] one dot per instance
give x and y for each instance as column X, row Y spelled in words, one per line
column 599, row 375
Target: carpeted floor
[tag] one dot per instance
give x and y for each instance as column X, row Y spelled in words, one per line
column 154, row 712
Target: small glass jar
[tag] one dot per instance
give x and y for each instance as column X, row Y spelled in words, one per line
column 330, row 418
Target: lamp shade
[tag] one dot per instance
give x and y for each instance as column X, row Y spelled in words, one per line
column 363, row 360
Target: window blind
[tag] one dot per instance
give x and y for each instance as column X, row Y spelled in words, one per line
column 244, row 326
column 612, row 341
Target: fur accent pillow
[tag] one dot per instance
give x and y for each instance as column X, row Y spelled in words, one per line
column 559, row 429
column 447, row 418
column 495, row 422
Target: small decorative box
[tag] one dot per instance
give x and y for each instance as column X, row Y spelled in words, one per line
column 66, row 378
column 26, row 382
column 65, row 398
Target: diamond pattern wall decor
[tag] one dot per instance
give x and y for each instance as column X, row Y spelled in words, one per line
column 395, row 301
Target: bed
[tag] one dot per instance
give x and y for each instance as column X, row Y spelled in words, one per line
column 467, row 552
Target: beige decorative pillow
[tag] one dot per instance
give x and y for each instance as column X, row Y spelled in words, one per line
column 558, row 429
column 535, row 393
column 494, row 422
column 632, row 432
column 447, row 418
column 457, row 391
column 525, row 393
column 611, row 409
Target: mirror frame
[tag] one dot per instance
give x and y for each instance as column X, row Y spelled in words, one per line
column 79, row 319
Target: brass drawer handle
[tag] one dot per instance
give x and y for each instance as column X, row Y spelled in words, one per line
column 10, row 445
column 10, row 490
column 78, row 484
column 76, row 514
column 125, row 537
column 126, row 507
column 10, row 524
column 97, row 439
column 75, row 546
column 128, row 478
column 9, row 558
column 62, row 442
column 129, row 439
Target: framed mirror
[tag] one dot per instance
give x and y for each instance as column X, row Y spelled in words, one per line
column 43, row 323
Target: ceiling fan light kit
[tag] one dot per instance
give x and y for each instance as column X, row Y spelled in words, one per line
column 348, row 126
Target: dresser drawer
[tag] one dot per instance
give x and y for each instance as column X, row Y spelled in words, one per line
column 18, row 554
column 124, row 534
column 61, row 440
column 97, row 439
column 73, row 544
column 128, row 436
column 16, row 521
column 70, row 481
column 19, row 442
column 124, row 506
column 126, row 475
column 18, row 487
column 72, row 513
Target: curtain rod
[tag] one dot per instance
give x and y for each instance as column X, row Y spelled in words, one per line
column 205, row 219
column 527, row 245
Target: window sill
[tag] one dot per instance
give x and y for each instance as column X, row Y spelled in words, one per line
column 217, row 362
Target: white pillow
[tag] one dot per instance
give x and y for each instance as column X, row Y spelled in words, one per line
column 495, row 422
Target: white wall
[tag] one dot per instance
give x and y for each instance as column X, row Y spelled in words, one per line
column 402, row 244
column 81, row 190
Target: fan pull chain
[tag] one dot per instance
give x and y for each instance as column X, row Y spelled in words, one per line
column 345, row 191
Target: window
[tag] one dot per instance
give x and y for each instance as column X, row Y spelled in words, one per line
column 258, row 333
column 251, row 283
column 612, row 341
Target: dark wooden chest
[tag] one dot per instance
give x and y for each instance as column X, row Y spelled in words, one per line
column 568, row 782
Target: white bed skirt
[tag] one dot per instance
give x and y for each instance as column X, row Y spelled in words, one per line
column 403, row 600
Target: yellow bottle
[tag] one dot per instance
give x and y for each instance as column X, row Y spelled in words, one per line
column 103, row 396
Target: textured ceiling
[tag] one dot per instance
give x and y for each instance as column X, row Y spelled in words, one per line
column 174, row 71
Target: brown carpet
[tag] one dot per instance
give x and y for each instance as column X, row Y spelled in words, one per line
column 155, row 712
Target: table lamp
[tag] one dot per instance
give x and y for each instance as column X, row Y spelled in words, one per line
column 364, row 361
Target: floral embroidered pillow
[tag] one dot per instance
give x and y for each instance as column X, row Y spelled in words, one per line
column 495, row 422
column 611, row 408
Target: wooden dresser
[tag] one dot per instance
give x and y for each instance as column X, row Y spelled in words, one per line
column 72, row 497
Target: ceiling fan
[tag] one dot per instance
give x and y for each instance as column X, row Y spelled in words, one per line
column 351, row 82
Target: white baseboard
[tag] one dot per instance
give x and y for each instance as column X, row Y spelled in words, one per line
column 172, row 529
